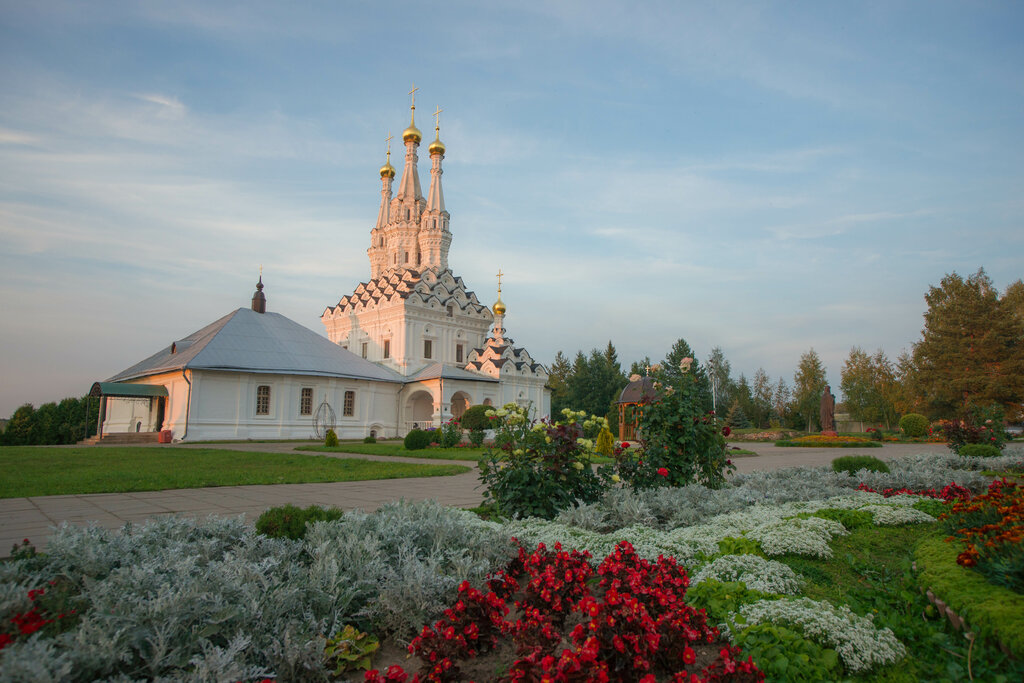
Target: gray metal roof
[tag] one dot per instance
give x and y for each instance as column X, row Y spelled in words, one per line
column 121, row 389
column 247, row 341
column 440, row 370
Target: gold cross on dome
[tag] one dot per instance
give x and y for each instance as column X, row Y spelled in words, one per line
column 499, row 280
column 413, row 93
column 388, row 140
column 437, row 118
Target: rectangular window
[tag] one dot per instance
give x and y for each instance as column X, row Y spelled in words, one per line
column 306, row 401
column 350, row 404
column 458, row 353
column 364, row 349
column 451, row 310
column 263, row 400
column 428, row 348
column 387, row 348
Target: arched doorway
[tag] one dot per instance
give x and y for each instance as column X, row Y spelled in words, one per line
column 460, row 402
column 419, row 411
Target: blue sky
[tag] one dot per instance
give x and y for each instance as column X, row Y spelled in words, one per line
column 764, row 177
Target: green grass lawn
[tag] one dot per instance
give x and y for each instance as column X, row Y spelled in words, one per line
column 396, row 448
column 40, row 471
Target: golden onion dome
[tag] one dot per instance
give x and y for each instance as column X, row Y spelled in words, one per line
column 387, row 171
column 436, row 147
column 412, row 133
column 499, row 307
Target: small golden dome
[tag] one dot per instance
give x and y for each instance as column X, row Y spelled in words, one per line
column 499, row 307
column 436, row 147
column 412, row 133
column 387, row 171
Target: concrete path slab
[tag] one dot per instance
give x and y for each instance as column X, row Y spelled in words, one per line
column 35, row 517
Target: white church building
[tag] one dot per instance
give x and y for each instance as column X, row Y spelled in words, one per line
column 411, row 347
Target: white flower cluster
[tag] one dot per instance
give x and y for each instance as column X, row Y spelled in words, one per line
column 859, row 644
column 809, row 536
column 756, row 572
column 892, row 515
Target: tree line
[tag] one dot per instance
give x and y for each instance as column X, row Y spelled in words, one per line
column 52, row 423
column 970, row 355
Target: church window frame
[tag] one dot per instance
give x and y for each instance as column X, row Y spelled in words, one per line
column 365, row 349
column 263, row 399
column 306, row 401
column 451, row 311
column 387, row 349
column 460, row 350
column 349, row 404
column 428, row 348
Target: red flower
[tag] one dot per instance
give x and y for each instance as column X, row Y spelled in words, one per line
column 663, row 471
column 726, row 431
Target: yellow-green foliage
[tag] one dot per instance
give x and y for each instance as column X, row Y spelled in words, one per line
column 605, row 442
column 350, row 650
column 331, row 438
column 988, row 609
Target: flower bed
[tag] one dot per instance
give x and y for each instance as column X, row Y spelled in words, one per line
column 632, row 625
column 991, row 529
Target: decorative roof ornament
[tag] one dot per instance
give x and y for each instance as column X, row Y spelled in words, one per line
column 387, row 170
column 259, row 299
column 499, row 305
column 437, row 147
column 412, row 132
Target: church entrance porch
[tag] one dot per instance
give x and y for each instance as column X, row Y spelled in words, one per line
column 460, row 403
column 129, row 413
column 419, row 411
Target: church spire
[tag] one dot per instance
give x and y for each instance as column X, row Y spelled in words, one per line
column 409, row 190
column 387, row 174
column 435, row 198
column 259, row 299
column 498, row 331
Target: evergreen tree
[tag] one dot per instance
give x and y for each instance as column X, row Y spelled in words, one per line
column 809, row 384
column 737, row 419
column 558, row 380
column 780, row 400
column 672, row 369
column 743, row 396
column 971, row 351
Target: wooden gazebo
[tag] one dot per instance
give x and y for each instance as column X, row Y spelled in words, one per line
column 636, row 392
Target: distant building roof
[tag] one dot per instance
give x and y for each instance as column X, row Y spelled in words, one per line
column 440, row 370
column 248, row 341
column 640, row 391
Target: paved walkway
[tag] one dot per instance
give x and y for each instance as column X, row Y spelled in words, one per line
column 33, row 518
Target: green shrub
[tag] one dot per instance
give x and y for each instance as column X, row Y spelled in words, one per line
column 740, row 545
column 475, row 417
column 417, row 439
column 979, row 450
column 914, row 425
column 331, row 438
column 783, row 654
column 370, row 439
column 855, row 463
column 350, row 650
column 932, row 506
column 476, row 437
column 721, row 598
column 450, row 433
column 290, row 521
column 851, row 519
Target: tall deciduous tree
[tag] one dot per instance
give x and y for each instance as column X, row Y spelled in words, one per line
column 972, row 347
column 781, row 397
column 761, row 395
column 722, row 385
column 869, row 387
column 808, row 386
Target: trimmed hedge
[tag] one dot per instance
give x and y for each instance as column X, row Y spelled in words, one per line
column 914, row 425
column 417, row 440
column 289, row 521
column 475, row 418
column 855, row 463
column 979, row 450
column 989, row 610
